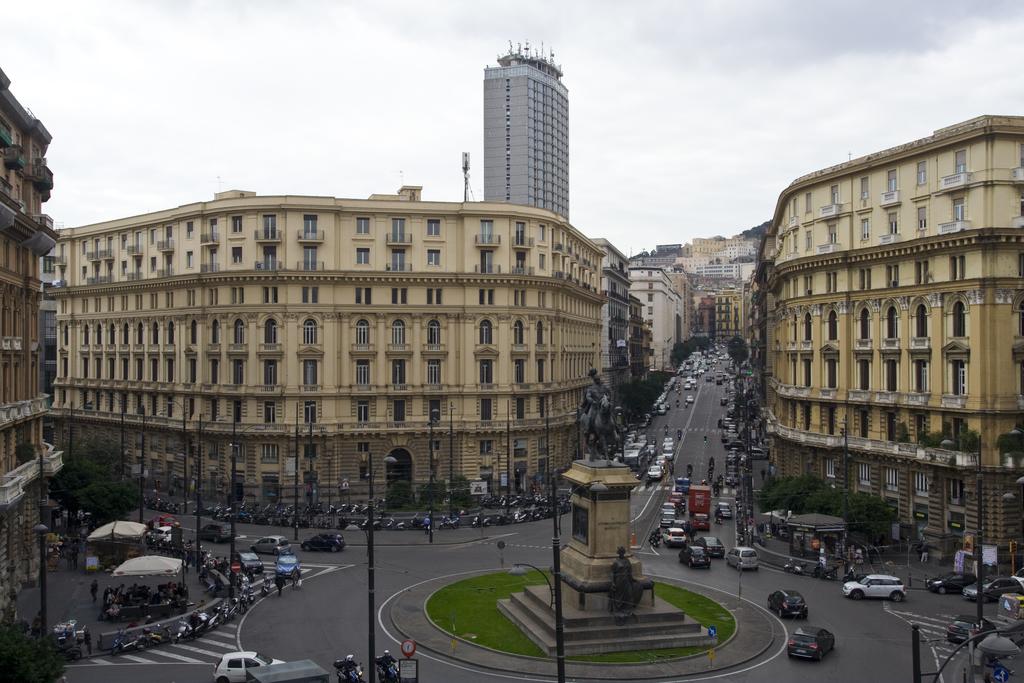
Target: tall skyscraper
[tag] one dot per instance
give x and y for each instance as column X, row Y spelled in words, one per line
column 526, row 131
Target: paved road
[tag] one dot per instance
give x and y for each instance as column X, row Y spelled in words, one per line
column 327, row 618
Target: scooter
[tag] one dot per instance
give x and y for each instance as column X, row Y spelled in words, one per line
column 125, row 643
column 347, row 674
column 387, row 673
column 794, row 567
column 655, row 540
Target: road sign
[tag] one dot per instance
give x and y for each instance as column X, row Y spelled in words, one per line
column 236, row 567
column 344, row 485
column 409, row 647
column 1000, row 674
column 478, row 488
column 408, row 671
column 712, row 631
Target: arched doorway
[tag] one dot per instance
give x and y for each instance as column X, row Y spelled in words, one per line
column 401, row 470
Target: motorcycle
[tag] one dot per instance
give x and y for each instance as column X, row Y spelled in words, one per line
column 794, row 567
column 348, row 673
column 156, row 637
column 387, row 673
column 655, row 540
column 265, row 587
column 125, row 643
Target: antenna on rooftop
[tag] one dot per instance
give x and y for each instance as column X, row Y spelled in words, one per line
column 465, row 176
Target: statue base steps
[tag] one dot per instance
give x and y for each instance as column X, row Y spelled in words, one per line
column 654, row 625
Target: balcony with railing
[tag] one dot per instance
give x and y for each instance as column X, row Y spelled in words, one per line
column 14, row 157
column 309, row 387
column 45, row 220
column 267, row 236
column 890, row 343
column 310, row 236
column 99, row 280
column 828, row 248
column 916, row 398
column 859, row 395
column 830, row 210
column 165, row 272
column 793, row 222
column 398, row 238
column 522, row 242
column 889, row 238
column 132, row 276
column 487, row 268
column 558, row 246
column 953, row 226
column 920, row 342
column 954, row 401
column 209, row 268
column 209, row 237
column 487, row 240
column 886, row 397
column 862, row 344
column 957, row 180
column 269, row 264
column 398, row 267
column 165, row 245
column 522, row 270
column 134, row 249
column 890, row 198
column 310, row 266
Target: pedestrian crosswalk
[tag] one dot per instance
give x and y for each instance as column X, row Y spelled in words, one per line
column 932, row 628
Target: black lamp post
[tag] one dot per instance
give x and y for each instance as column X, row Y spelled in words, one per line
column 199, row 494
column 992, row 643
column 372, row 631
column 142, row 463
column 41, row 531
column 434, row 417
column 233, row 499
column 451, row 461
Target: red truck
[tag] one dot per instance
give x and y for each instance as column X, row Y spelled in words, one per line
column 700, row 506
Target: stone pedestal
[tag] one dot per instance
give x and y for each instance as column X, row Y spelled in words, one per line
column 600, row 525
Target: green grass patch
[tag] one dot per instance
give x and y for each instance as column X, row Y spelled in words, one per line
column 468, row 609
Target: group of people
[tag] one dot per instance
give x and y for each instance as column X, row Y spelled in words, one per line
column 116, row 599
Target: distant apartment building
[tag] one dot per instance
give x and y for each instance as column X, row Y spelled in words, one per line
column 639, row 340
column 684, row 288
column 657, row 294
column 729, row 314
column 526, row 132
column 614, row 314
column 725, row 271
column 662, row 256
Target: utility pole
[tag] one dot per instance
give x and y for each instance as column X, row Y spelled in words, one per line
column 199, row 488
column 451, row 461
column 184, row 455
column 508, row 458
column 295, row 483
column 142, row 464
column 120, row 476
column 434, row 417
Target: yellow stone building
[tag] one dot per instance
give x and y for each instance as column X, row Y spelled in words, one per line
column 26, row 233
column 893, row 302
column 331, row 328
column 730, row 314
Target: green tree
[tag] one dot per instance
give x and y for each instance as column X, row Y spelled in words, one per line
column 868, row 516
column 738, row 351
column 440, row 490
column 28, row 660
column 461, row 497
column 399, row 494
column 108, row 500
column 679, row 354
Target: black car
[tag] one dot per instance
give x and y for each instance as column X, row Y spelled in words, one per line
column 994, row 587
column 250, row 562
column 950, row 583
column 712, row 545
column 329, row 542
column 788, row 603
column 965, row 626
column 218, row 533
column 811, row 642
column 694, row 556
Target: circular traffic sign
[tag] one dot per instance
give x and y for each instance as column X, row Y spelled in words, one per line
column 409, row 647
column 236, row 567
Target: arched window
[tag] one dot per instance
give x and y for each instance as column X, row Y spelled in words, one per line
column 865, row 324
column 215, row 332
column 833, row 326
column 892, row 323
column 270, row 331
column 239, row 332
column 1020, row 320
column 398, row 332
column 193, row 332
column 959, row 319
column 155, row 336
column 540, row 332
column 517, row 332
column 170, row 333
column 125, row 334
column 362, row 333
column 65, row 334
column 792, row 330
column 807, row 327
column 140, row 335
column 486, row 332
column 921, row 321
column 433, row 332
column 85, row 335
column 309, row 331
column 111, row 334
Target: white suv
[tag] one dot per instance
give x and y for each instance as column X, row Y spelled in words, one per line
column 876, row 586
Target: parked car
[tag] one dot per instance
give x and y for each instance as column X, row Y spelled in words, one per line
column 714, row 546
column 811, row 642
column 250, row 562
column 275, row 545
column 964, row 626
column 232, row 665
column 654, row 472
column 994, row 587
column 667, row 521
column 216, row 532
column 694, row 556
column 876, row 586
column 329, row 542
column 675, row 537
column 161, row 534
column 788, row 603
column 725, row 509
column 742, row 557
column 950, row 583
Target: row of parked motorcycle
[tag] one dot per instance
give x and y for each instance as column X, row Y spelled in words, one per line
column 817, row 571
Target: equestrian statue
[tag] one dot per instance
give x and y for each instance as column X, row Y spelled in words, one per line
column 598, row 421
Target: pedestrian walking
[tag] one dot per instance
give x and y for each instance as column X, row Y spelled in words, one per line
column 924, row 554
column 279, row 583
column 94, row 588
column 88, row 641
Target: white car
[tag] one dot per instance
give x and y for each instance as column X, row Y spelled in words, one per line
column 876, row 586
column 689, row 399
column 654, row 472
column 232, row 666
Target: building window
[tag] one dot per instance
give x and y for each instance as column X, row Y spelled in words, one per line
column 270, row 331
column 807, row 327
column 486, row 371
column 238, row 372
column 891, row 372
column 236, row 224
column 865, row 423
column 363, row 372
column 270, row 372
column 864, row 473
column 433, row 227
column 892, row 323
column 833, row 326
column 959, row 209
column 892, row 275
column 433, row 333
column 268, row 453
column 486, row 332
column 921, row 484
column 398, row 333
column 362, row 256
column 269, row 412
column 831, row 365
column 362, row 226
column 239, row 337
column 398, row 372
column 958, row 368
column 921, row 376
column 892, row 479
column 921, row 321
column 960, row 161
column 309, row 412
column 486, row 409
column 894, row 223
column 434, row 296
column 922, row 218
column 309, row 332
column 959, row 317
column 807, row 372
column 310, row 373
column 864, row 374
column 865, row 228
column 362, row 411
column 830, row 468
column 519, row 371
column 864, row 188
column 362, row 333
column 399, row 295
column 958, row 267
column 890, row 180
column 433, row 257
column 518, row 332
column 922, row 172
column 433, row 371
column 921, row 272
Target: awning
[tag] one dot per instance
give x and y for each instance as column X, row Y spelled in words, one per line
column 119, row 531
column 150, row 565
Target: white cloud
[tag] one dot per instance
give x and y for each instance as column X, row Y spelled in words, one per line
column 686, row 119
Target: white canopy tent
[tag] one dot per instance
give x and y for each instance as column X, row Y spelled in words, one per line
column 119, row 531
column 150, row 565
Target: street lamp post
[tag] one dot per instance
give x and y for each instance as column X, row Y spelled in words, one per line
column 556, row 566
column 142, row 464
column 41, row 531
column 372, row 631
column 508, row 458
column 199, row 495
column 295, row 482
column 231, row 488
column 451, row 462
column 992, row 643
column 434, row 417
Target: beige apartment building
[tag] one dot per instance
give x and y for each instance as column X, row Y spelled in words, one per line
column 332, row 329
column 892, row 289
column 26, row 462
column 661, row 311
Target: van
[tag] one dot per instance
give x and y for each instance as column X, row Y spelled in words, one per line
column 742, row 557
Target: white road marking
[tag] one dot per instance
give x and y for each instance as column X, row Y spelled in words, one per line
column 219, row 634
column 140, row 660
column 180, row 658
column 199, row 650
column 214, row 643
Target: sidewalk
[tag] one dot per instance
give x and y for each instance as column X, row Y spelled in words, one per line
column 67, row 597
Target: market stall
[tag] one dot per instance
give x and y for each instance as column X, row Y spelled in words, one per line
column 113, row 543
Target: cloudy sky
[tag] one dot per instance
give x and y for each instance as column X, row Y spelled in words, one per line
column 687, row 118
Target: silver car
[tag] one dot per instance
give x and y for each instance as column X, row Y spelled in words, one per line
column 274, row 545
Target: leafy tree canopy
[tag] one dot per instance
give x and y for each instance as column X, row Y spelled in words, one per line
column 868, row 515
column 28, row 660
